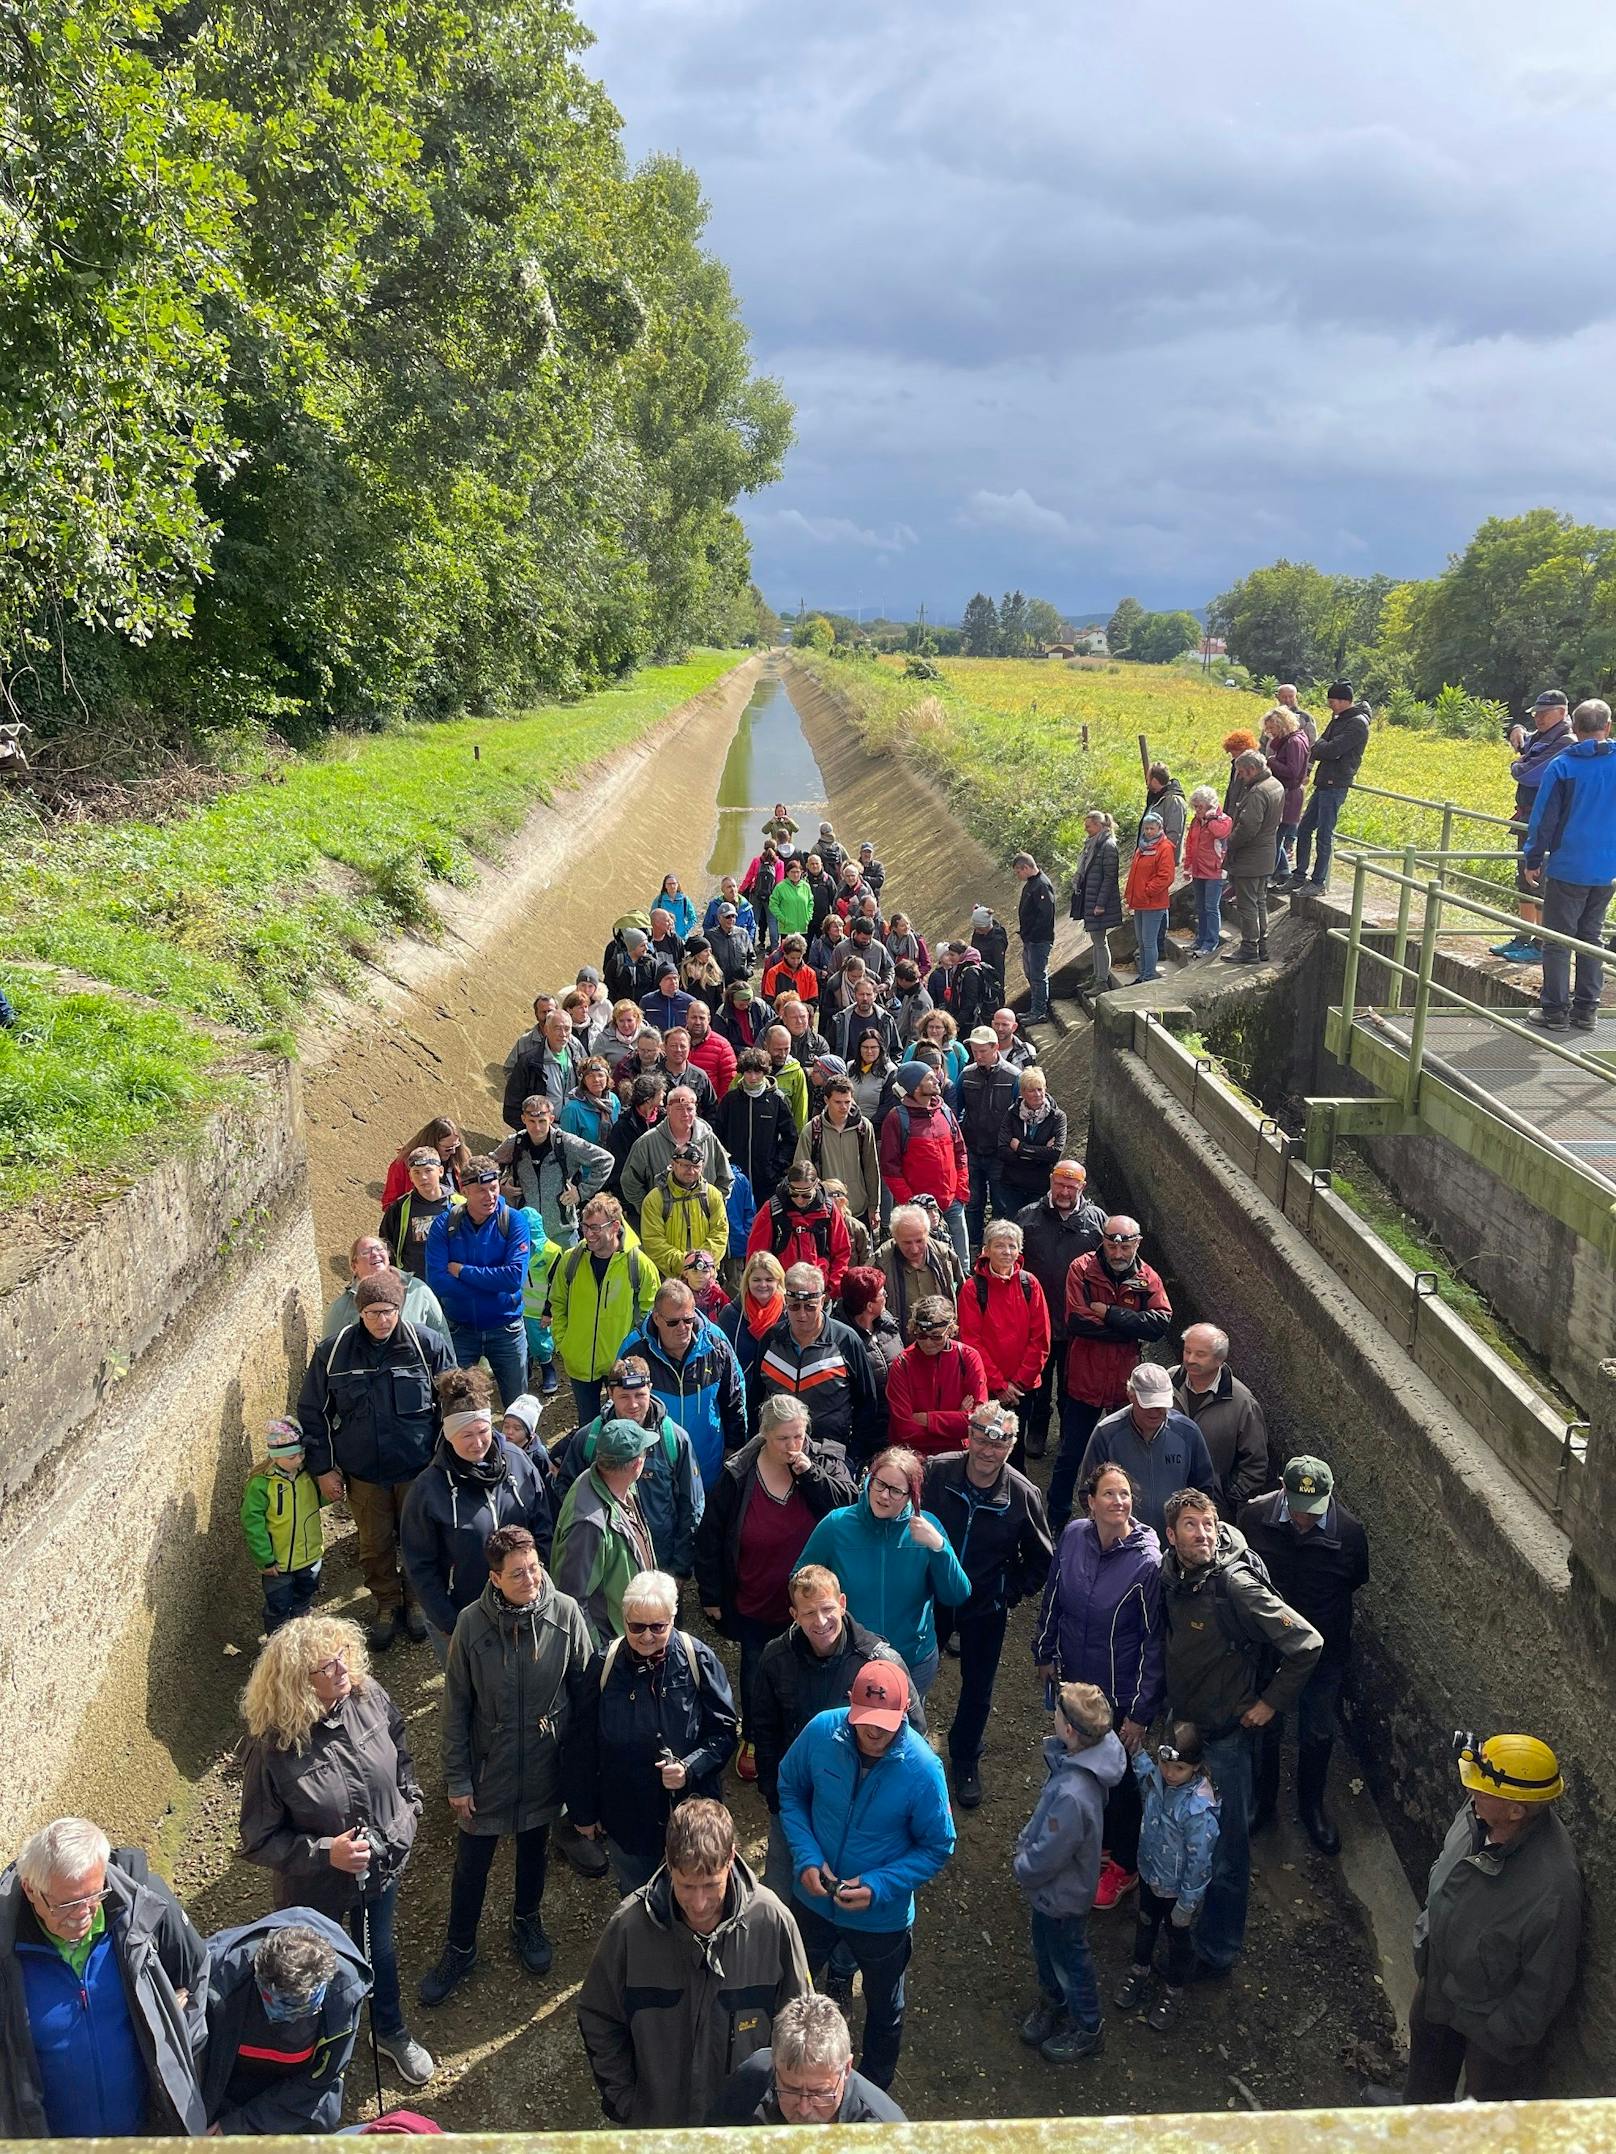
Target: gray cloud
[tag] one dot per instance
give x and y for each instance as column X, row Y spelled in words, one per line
column 1093, row 299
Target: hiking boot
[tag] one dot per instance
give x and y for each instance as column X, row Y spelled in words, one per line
column 380, row 1634
column 413, row 2064
column 1549, row 1020
column 1242, row 956
column 1130, row 1994
column 438, row 1982
column 1045, row 2019
column 1073, row 2044
column 415, row 1624
column 968, row 1787
column 1115, row 1883
column 1036, row 1446
column 746, row 1762
column 587, row 1857
column 1584, row 1020
column 1166, row 2012
column 533, row 1947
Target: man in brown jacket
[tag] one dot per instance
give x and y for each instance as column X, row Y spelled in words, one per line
column 1258, row 809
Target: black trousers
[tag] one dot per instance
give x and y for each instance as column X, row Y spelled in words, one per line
column 1437, row 2055
column 1153, row 1914
column 474, row 1858
column 981, row 1641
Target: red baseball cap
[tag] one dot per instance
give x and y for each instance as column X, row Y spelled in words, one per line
column 879, row 1697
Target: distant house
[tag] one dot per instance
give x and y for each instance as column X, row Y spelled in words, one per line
column 1214, row 647
column 1090, row 643
column 1058, row 650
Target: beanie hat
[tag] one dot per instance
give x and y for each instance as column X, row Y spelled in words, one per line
column 912, row 1073
column 386, row 1287
column 526, row 1409
column 285, row 1439
column 981, row 916
column 1339, row 692
column 861, row 1283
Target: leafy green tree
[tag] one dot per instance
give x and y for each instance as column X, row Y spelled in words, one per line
column 813, row 634
column 1121, row 626
column 1529, row 604
column 1045, row 624
column 1013, row 638
column 979, row 627
column 1159, row 637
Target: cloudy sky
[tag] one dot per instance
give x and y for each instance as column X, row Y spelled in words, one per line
column 1095, row 296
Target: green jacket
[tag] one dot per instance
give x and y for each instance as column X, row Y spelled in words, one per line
column 792, row 905
column 1231, row 1640
column 590, row 1323
column 511, row 1687
column 600, row 1544
column 280, row 1516
column 792, row 1079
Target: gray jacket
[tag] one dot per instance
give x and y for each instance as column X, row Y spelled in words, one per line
column 1496, row 1941
column 1057, row 1857
column 649, row 1157
column 1219, row 1621
column 1253, row 842
column 1236, row 1434
column 543, row 1182
column 512, row 1684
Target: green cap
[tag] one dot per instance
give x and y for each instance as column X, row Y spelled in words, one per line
column 1309, row 1485
column 619, row 1441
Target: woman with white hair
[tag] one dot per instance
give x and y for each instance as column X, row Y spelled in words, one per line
column 656, row 1724
column 805, row 2076
column 1206, row 842
column 1003, row 1314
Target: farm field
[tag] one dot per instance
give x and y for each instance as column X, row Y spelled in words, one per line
column 1003, row 737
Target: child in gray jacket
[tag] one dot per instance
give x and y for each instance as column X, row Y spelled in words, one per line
column 1057, row 1865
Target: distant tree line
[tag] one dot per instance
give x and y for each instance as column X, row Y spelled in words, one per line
column 1150, row 639
column 349, row 371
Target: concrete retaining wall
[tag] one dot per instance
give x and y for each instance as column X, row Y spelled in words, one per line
column 1473, row 1618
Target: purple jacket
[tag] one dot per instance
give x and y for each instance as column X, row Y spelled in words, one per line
column 1101, row 1622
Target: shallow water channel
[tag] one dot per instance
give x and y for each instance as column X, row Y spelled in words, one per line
column 769, row 760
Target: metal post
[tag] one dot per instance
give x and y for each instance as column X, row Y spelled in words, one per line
column 1447, row 836
column 1405, row 897
column 1422, row 998
column 1349, row 979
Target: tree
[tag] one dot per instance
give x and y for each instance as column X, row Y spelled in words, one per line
column 1159, row 637
column 1045, row 624
column 979, row 627
column 1526, row 606
column 1121, row 626
column 1013, row 625
column 813, row 634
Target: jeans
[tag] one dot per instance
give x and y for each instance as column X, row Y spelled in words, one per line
column 881, row 1957
column 289, row 1596
column 954, row 1221
column 474, row 1858
column 987, row 1189
column 1285, row 850
column 981, row 1642
column 1208, row 911
column 1573, row 909
column 1148, row 927
column 1318, row 819
column 1437, row 2055
column 753, row 1635
column 1035, row 958
column 371, row 1925
column 504, row 1348
column 777, row 1861
column 1060, row 1949
column 1077, row 1421
column 1221, row 1929
column 630, row 1870
column 1152, row 1915
column 924, row 1672
column 586, row 1392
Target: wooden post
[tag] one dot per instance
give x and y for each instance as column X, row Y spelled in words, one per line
column 476, row 751
column 1085, row 740
column 1144, row 753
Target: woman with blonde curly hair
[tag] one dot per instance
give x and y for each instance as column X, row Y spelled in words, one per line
column 330, row 1800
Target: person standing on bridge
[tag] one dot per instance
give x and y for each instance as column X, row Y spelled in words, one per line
column 1036, row 922
column 1571, row 855
column 1337, row 753
column 1536, row 744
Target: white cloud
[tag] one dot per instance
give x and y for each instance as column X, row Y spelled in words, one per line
column 1018, row 512
column 834, row 531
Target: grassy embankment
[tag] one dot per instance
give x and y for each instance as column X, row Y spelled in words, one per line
column 1003, row 738
column 213, row 930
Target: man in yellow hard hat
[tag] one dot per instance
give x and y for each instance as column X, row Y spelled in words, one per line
column 1495, row 1947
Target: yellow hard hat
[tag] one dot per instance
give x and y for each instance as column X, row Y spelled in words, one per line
column 1519, row 1768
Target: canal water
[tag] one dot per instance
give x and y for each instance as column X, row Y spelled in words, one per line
column 769, row 760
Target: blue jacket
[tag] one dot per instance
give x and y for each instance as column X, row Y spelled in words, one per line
column 1179, row 1833
column 1574, row 816
column 703, row 1395
column 1057, row 1856
column 889, row 1826
column 1175, row 1457
column 680, row 908
column 493, row 1259
column 448, row 1516
column 889, row 1580
column 741, row 1206
column 744, row 915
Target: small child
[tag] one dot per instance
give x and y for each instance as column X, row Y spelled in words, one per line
column 521, row 1427
column 280, row 1518
column 536, row 1302
column 701, row 1276
column 1176, row 1840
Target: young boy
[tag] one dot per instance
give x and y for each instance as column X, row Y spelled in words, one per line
column 1176, row 1840
column 536, row 1304
column 1057, row 1865
column 280, row 1517
column 521, row 1427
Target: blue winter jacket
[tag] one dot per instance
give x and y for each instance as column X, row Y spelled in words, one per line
column 1179, row 1833
column 1101, row 1618
column 889, row 1826
column 890, row 1580
column 493, row 1258
column 1057, row 1857
column 703, row 1395
column 1573, row 822
column 680, row 908
column 448, row 1516
column 741, row 1206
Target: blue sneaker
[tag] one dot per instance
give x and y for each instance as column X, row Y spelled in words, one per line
column 1518, row 952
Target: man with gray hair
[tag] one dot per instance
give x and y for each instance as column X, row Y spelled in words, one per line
column 805, row 2076
column 1257, row 813
column 283, row 2011
column 1286, row 695
column 103, row 1994
column 1227, row 1415
column 1571, row 854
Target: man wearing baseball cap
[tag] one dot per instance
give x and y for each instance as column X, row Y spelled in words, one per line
column 865, row 1809
column 1318, row 1556
column 1496, row 1944
column 1157, row 1446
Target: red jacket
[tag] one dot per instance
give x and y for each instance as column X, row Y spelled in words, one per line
column 1102, row 1356
column 1150, row 876
column 936, row 1385
column 1205, row 844
column 817, row 1236
column 801, row 980
column 1012, row 1332
column 929, row 1161
column 716, row 1058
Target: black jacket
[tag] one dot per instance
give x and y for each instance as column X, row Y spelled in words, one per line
column 626, row 1132
column 831, row 1375
column 448, row 1515
column 696, row 1080
column 1096, row 886
column 760, row 1135
column 367, row 1405
column 986, row 1097
column 1339, row 749
column 1000, row 1534
column 792, row 1684
column 970, row 993
column 826, row 1486
column 1317, row 1572
column 1035, row 916
column 626, row 978
column 1052, row 1243
column 1026, row 1171
column 747, row 2097
column 526, row 1074
column 627, row 1715
column 287, row 2101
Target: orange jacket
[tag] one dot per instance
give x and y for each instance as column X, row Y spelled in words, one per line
column 1150, row 876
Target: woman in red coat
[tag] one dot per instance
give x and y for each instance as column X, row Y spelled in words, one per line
column 935, row 1382
column 1003, row 1314
column 1150, row 885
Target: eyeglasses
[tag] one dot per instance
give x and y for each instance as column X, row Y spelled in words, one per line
column 86, row 1903
column 647, row 1630
column 821, row 2098
column 891, row 1488
column 332, row 1668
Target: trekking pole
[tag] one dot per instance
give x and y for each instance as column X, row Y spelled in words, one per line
column 370, row 2009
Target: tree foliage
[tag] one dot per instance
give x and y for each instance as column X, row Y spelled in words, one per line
column 1120, row 628
column 1157, row 638
column 979, row 627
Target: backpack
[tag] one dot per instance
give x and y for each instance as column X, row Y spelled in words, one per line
column 1261, row 1657
column 575, row 1257
column 780, row 1233
column 906, row 1119
column 506, row 1215
column 692, row 1658
column 981, row 1286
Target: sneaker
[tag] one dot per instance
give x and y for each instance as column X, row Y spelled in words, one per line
column 1583, row 1020
column 1073, row 2044
column 1115, row 1883
column 455, row 1963
column 1166, row 2011
column 1131, row 1994
column 533, row 1947
column 1518, row 952
column 1041, row 2022
column 415, row 1624
column 587, row 1857
column 380, row 1634
column 1242, row 957
column 549, row 1382
column 413, row 2064
column 1548, row 1020
column 968, row 1787
column 746, row 1762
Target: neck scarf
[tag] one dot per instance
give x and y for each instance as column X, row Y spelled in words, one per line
column 763, row 1316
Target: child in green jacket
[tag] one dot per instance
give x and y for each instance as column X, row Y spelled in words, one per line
column 536, row 1303
column 280, row 1517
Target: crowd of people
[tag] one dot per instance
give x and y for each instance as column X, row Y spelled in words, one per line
column 787, row 1214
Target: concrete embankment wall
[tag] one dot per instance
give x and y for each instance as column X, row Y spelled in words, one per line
column 145, row 1340
column 1472, row 1618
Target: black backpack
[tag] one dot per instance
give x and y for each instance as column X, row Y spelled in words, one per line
column 981, row 1286
column 780, row 1232
column 1261, row 1657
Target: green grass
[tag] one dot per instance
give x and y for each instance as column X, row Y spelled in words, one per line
column 236, row 913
